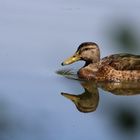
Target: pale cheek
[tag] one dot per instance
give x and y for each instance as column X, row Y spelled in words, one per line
column 88, row 54
column 85, row 55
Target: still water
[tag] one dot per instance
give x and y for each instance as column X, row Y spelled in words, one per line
column 122, row 114
column 35, row 37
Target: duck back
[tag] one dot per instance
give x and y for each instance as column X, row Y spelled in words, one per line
column 122, row 61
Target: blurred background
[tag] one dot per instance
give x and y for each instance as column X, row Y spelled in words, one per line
column 35, row 37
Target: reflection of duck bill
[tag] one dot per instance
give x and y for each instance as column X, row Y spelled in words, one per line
column 71, row 97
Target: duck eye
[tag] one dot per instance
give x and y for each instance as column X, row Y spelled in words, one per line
column 86, row 49
column 82, row 50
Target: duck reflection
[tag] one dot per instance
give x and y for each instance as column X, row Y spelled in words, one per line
column 88, row 100
column 122, row 88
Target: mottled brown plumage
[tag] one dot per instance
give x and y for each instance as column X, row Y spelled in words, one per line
column 116, row 67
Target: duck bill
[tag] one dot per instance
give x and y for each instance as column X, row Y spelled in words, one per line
column 71, row 60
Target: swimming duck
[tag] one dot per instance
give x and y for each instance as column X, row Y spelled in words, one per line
column 116, row 67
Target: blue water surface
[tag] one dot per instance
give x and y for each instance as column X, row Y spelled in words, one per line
column 35, row 37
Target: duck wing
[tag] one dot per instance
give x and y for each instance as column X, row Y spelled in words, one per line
column 122, row 61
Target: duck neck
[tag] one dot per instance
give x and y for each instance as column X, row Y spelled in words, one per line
column 94, row 61
column 96, row 58
column 87, row 63
column 91, row 63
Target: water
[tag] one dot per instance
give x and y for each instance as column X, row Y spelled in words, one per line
column 35, row 37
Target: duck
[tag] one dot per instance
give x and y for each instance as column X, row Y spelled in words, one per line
column 115, row 67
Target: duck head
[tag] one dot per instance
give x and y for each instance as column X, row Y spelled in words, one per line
column 87, row 51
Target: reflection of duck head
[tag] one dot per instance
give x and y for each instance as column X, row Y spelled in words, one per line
column 87, row 101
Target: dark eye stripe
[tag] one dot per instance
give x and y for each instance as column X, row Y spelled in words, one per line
column 85, row 49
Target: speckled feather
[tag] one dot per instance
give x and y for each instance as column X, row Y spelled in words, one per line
column 122, row 61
